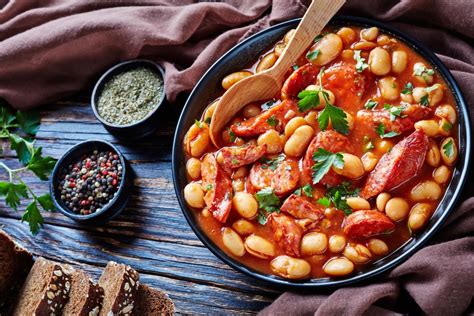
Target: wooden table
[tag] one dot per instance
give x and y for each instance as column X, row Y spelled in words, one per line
column 151, row 235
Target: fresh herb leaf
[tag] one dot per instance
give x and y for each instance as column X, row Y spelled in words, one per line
column 424, row 100
column 272, row 164
column 380, row 130
column 408, row 89
column 308, row 190
column 41, row 166
column 268, row 203
column 272, row 121
column 198, row 123
column 368, row 145
column 308, row 99
column 318, row 38
column 33, row 217
column 324, row 201
column 29, row 122
column 46, row 202
column 448, row 148
column 370, row 104
column 312, row 55
column 232, row 136
column 24, row 149
column 12, row 193
column 361, row 64
column 324, row 160
column 336, row 116
column 338, row 195
column 394, row 111
column 208, row 187
column 446, row 126
column 421, row 71
column 208, row 120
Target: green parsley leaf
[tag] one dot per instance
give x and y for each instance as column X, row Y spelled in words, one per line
column 198, row 123
column 272, row 121
column 33, row 216
column 448, row 148
column 408, row 89
column 272, row 164
column 232, row 136
column 380, row 130
column 337, row 195
column 46, row 202
column 361, row 64
column 324, row 201
column 446, row 126
column 368, row 145
column 268, row 203
column 395, row 111
column 421, row 71
column 7, row 120
column 370, row 104
column 208, row 120
column 308, row 190
column 424, row 100
column 29, row 121
column 24, row 149
column 324, row 160
column 208, row 187
column 308, row 99
column 337, row 118
column 41, row 166
column 12, row 193
column 312, row 55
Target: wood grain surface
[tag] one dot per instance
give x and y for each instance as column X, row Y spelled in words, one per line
column 151, row 234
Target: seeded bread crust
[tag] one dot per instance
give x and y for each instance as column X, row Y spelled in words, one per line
column 53, row 297
column 85, row 298
column 126, row 296
column 15, row 263
column 152, row 302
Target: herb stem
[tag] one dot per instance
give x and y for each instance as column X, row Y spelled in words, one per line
column 10, row 171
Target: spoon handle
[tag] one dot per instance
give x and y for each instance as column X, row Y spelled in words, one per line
column 315, row 19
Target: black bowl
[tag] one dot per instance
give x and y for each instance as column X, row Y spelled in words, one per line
column 145, row 126
column 115, row 206
column 249, row 50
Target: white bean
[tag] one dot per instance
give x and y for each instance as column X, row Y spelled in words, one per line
column 244, row 227
column 369, row 34
column 448, row 112
column 353, row 167
column 357, row 253
column 259, row 247
column 382, row 200
column 377, row 246
column 314, row 243
column 426, row 191
column 399, row 61
column 245, row 204
column 266, row 62
column 397, row 209
column 293, row 124
column 193, row 167
column 347, row 35
column 251, row 110
column 299, row 140
column 369, row 160
column 290, row 268
column 233, row 78
column 272, row 139
column 194, row 195
column 379, row 61
column 429, row 127
column 358, row 203
column 233, row 242
column 441, row 174
column 338, row 266
column 433, row 156
column 419, row 216
column 389, row 89
column 329, row 47
column 449, row 151
column 337, row 243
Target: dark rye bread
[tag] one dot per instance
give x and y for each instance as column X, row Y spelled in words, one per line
column 120, row 284
column 85, row 297
column 15, row 263
column 46, row 289
column 153, row 302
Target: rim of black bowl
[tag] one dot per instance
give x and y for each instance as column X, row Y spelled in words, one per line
column 66, row 157
column 445, row 207
column 115, row 70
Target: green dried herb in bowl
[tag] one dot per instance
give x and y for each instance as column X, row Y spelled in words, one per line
column 130, row 96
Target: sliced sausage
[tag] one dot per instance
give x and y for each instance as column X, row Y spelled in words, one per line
column 282, row 178
column 300, row 208
column 411, row 114
column 287, row 233
column 299, row 80
column 346, row 83
column 397, row 166
column 366, row 223
column 218, row 184
column 329, row 140
column 237, row 156
column 257, row 125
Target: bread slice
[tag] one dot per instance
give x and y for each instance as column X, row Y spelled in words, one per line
column 46, row 289
column 120, row 284
column 85, row 298
column 15, row 263
column 153, row 302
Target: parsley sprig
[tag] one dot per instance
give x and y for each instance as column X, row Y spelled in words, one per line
column 306, row 189
column 361, row 65
column 268, row 203
column 380, row 130
column 448, row 148
column 18, row 129
column 324, row 160
column 310, row 99
column 338, row 195
column 394, row 111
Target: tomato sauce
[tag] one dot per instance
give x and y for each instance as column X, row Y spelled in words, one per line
column 363, row 138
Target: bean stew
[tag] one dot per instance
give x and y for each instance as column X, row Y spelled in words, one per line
column 339, row 169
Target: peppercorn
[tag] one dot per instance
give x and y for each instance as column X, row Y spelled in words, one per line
column 89, row 184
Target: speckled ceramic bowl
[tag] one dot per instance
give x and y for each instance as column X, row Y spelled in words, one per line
column 249, row 50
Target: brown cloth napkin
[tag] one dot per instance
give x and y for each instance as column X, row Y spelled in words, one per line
column 51, row 48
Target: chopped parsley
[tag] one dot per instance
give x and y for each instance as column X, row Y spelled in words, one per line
column 313, row 55
column 395, row 111
column 424, row 100
column 421, row 71
column 380, row 130
column 208, row 187
column 272, row 121
column 199, row 123
column 272, row 164
column 448, row 148
column 324, row 160
column 318, row 37
column 309, row 99
column 368, row 145
column 232, row 136
column 446, row 126
column 337, row 196
column 370, row 104
column 408, row 89
column 306, row 189
column 361, row 64
column 268, row 203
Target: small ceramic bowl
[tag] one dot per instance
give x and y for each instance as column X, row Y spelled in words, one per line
column 145, row 126
column 121, row 197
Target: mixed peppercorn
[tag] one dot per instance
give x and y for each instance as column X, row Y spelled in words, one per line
column 90, row 183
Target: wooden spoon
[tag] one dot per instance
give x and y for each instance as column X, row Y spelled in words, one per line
column 268, row 83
